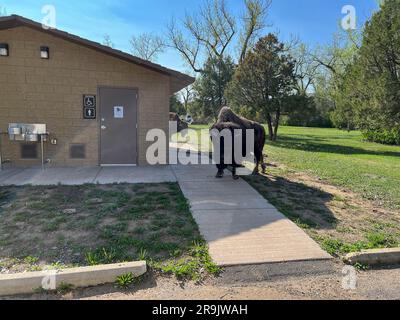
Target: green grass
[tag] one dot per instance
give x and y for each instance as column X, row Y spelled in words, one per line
column 65, row 226
column 337, row 222
column 342, row 158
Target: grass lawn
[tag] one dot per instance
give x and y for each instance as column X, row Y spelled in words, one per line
column 344, row 192
column 342, row 158
column 63, row 226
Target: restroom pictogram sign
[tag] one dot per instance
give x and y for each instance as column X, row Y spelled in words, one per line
column 89, row 107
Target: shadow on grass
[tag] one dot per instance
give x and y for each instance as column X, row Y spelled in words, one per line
column 305, row 144
column 304, row 205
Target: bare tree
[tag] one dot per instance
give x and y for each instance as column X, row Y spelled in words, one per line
column 306, row 68
column 147, row 46
column 254, row 21
column 335, row 57
column 211, row 31
column 187, row 96
column 107, row 41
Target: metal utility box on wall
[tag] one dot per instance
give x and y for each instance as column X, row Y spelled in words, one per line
column 53, row 90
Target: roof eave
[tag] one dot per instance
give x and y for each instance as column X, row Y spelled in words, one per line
column 14, row 21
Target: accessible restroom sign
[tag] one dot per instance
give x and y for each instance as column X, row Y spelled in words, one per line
column 89, row 107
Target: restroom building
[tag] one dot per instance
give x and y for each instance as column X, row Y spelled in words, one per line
column 86, row 104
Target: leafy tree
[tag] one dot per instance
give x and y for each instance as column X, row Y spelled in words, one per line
column 263, row 83
column 211, row 85
column 368, row 94
column 333, row 62
column 378, row 67
column 176, row 105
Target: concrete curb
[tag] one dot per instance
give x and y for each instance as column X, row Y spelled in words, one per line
column 26, row 283
column 375, row 257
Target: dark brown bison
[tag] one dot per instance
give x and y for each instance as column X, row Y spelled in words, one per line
column 227, row 119
column 173, row 117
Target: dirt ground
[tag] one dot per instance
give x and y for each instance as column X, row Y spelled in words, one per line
column 231, row 285
column 338, row 219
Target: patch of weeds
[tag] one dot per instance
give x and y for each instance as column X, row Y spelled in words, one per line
column 182, row 205
column 107, row 209
column 182, row 269
column 125, row 280
column 338, row 198
column 361, row 267
column 64, row 288
column 136, row 213
column 31, row 260
column 34, row 268
column 142, row 255
column 158, row 246
column 57, row 266
column 54, row 225
column 40, row 206
column 111, row 232
column 301, row 224
column 336, row 247
column 139, row 230
column 377, row 240
column 373, row 240
column 345, row 230
column 101, row 256
column 191, row 267
column 200, row 251
column 22, row 217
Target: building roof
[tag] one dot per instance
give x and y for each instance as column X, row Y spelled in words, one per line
column 178, row 80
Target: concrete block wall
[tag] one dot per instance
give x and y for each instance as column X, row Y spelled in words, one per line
column 33, row 90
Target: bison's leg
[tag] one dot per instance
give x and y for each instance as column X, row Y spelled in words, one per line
column 264, row 164
column 234, row 175
column 259, row 161
column 220, row 173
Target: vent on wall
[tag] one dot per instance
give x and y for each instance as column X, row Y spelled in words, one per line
column 29, row 151
column 77, row 151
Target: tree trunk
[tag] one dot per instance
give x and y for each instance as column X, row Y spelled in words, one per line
column 276, row 126
column 270, row 128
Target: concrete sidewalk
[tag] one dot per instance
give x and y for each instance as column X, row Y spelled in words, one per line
column 240, row 226
column 83, row 175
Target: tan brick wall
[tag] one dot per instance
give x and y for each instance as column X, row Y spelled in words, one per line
column 33, row 90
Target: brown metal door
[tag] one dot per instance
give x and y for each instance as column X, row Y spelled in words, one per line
column 118, row 119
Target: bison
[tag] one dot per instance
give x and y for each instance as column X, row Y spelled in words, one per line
column 227, row 119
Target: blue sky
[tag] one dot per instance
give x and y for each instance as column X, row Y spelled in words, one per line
column 314, row 21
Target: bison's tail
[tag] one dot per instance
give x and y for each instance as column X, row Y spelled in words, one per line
column 264, row 156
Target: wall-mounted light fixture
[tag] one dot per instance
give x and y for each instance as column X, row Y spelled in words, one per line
column 45, row 52
column 4, row 52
